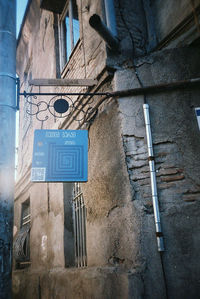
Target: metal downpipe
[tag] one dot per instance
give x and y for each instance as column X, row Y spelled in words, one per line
column 7, row 141
column 97, row 24
column 159, row 234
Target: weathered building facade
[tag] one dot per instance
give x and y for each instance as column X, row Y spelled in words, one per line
column 111, row 217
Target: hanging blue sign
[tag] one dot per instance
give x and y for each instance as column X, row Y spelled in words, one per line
column 60, row 156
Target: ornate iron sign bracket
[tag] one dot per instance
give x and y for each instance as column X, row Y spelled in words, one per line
column 59, row 105
column 62, row 105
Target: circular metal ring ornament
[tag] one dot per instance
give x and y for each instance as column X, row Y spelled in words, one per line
column 61, row 106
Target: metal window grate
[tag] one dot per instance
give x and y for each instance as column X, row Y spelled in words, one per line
column 79, row 215
column 21, row 246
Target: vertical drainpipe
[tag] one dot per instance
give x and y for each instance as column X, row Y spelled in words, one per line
column 159, row 234
column 7, row 140
column 110, row 16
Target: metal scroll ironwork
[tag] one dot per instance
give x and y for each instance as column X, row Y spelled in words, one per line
column 60, row 105
column 41, row 108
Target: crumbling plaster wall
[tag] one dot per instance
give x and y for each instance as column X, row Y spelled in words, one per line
column 108, row 196
column 176, row 142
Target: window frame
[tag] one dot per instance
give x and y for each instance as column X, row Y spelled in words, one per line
column 62, row 36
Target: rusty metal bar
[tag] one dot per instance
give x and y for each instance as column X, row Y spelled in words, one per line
column 152, row 89
column 63, row 82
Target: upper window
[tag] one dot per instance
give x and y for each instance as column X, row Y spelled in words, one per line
column 69, row 31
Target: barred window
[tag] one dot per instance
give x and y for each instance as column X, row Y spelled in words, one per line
column 21, row 247
column 79, row 219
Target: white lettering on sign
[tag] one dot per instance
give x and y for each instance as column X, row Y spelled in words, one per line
column 57, row 134
column 53, row 134
column 68, row 134
column 70, row 143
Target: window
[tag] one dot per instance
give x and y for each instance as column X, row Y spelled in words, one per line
column 68, row 31
column 26, row 216
column 21, row 248
column 79, row 215
column 75, row 250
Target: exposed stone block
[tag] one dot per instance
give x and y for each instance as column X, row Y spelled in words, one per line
column 136, row 164
column 167, row 171
column 139, row 177
column 191, row 197
column 173, row 178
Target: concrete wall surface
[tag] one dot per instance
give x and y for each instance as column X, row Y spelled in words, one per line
column 176, row 142
column 170, row 14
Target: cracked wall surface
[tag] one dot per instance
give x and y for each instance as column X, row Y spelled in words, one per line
column 176, row 143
